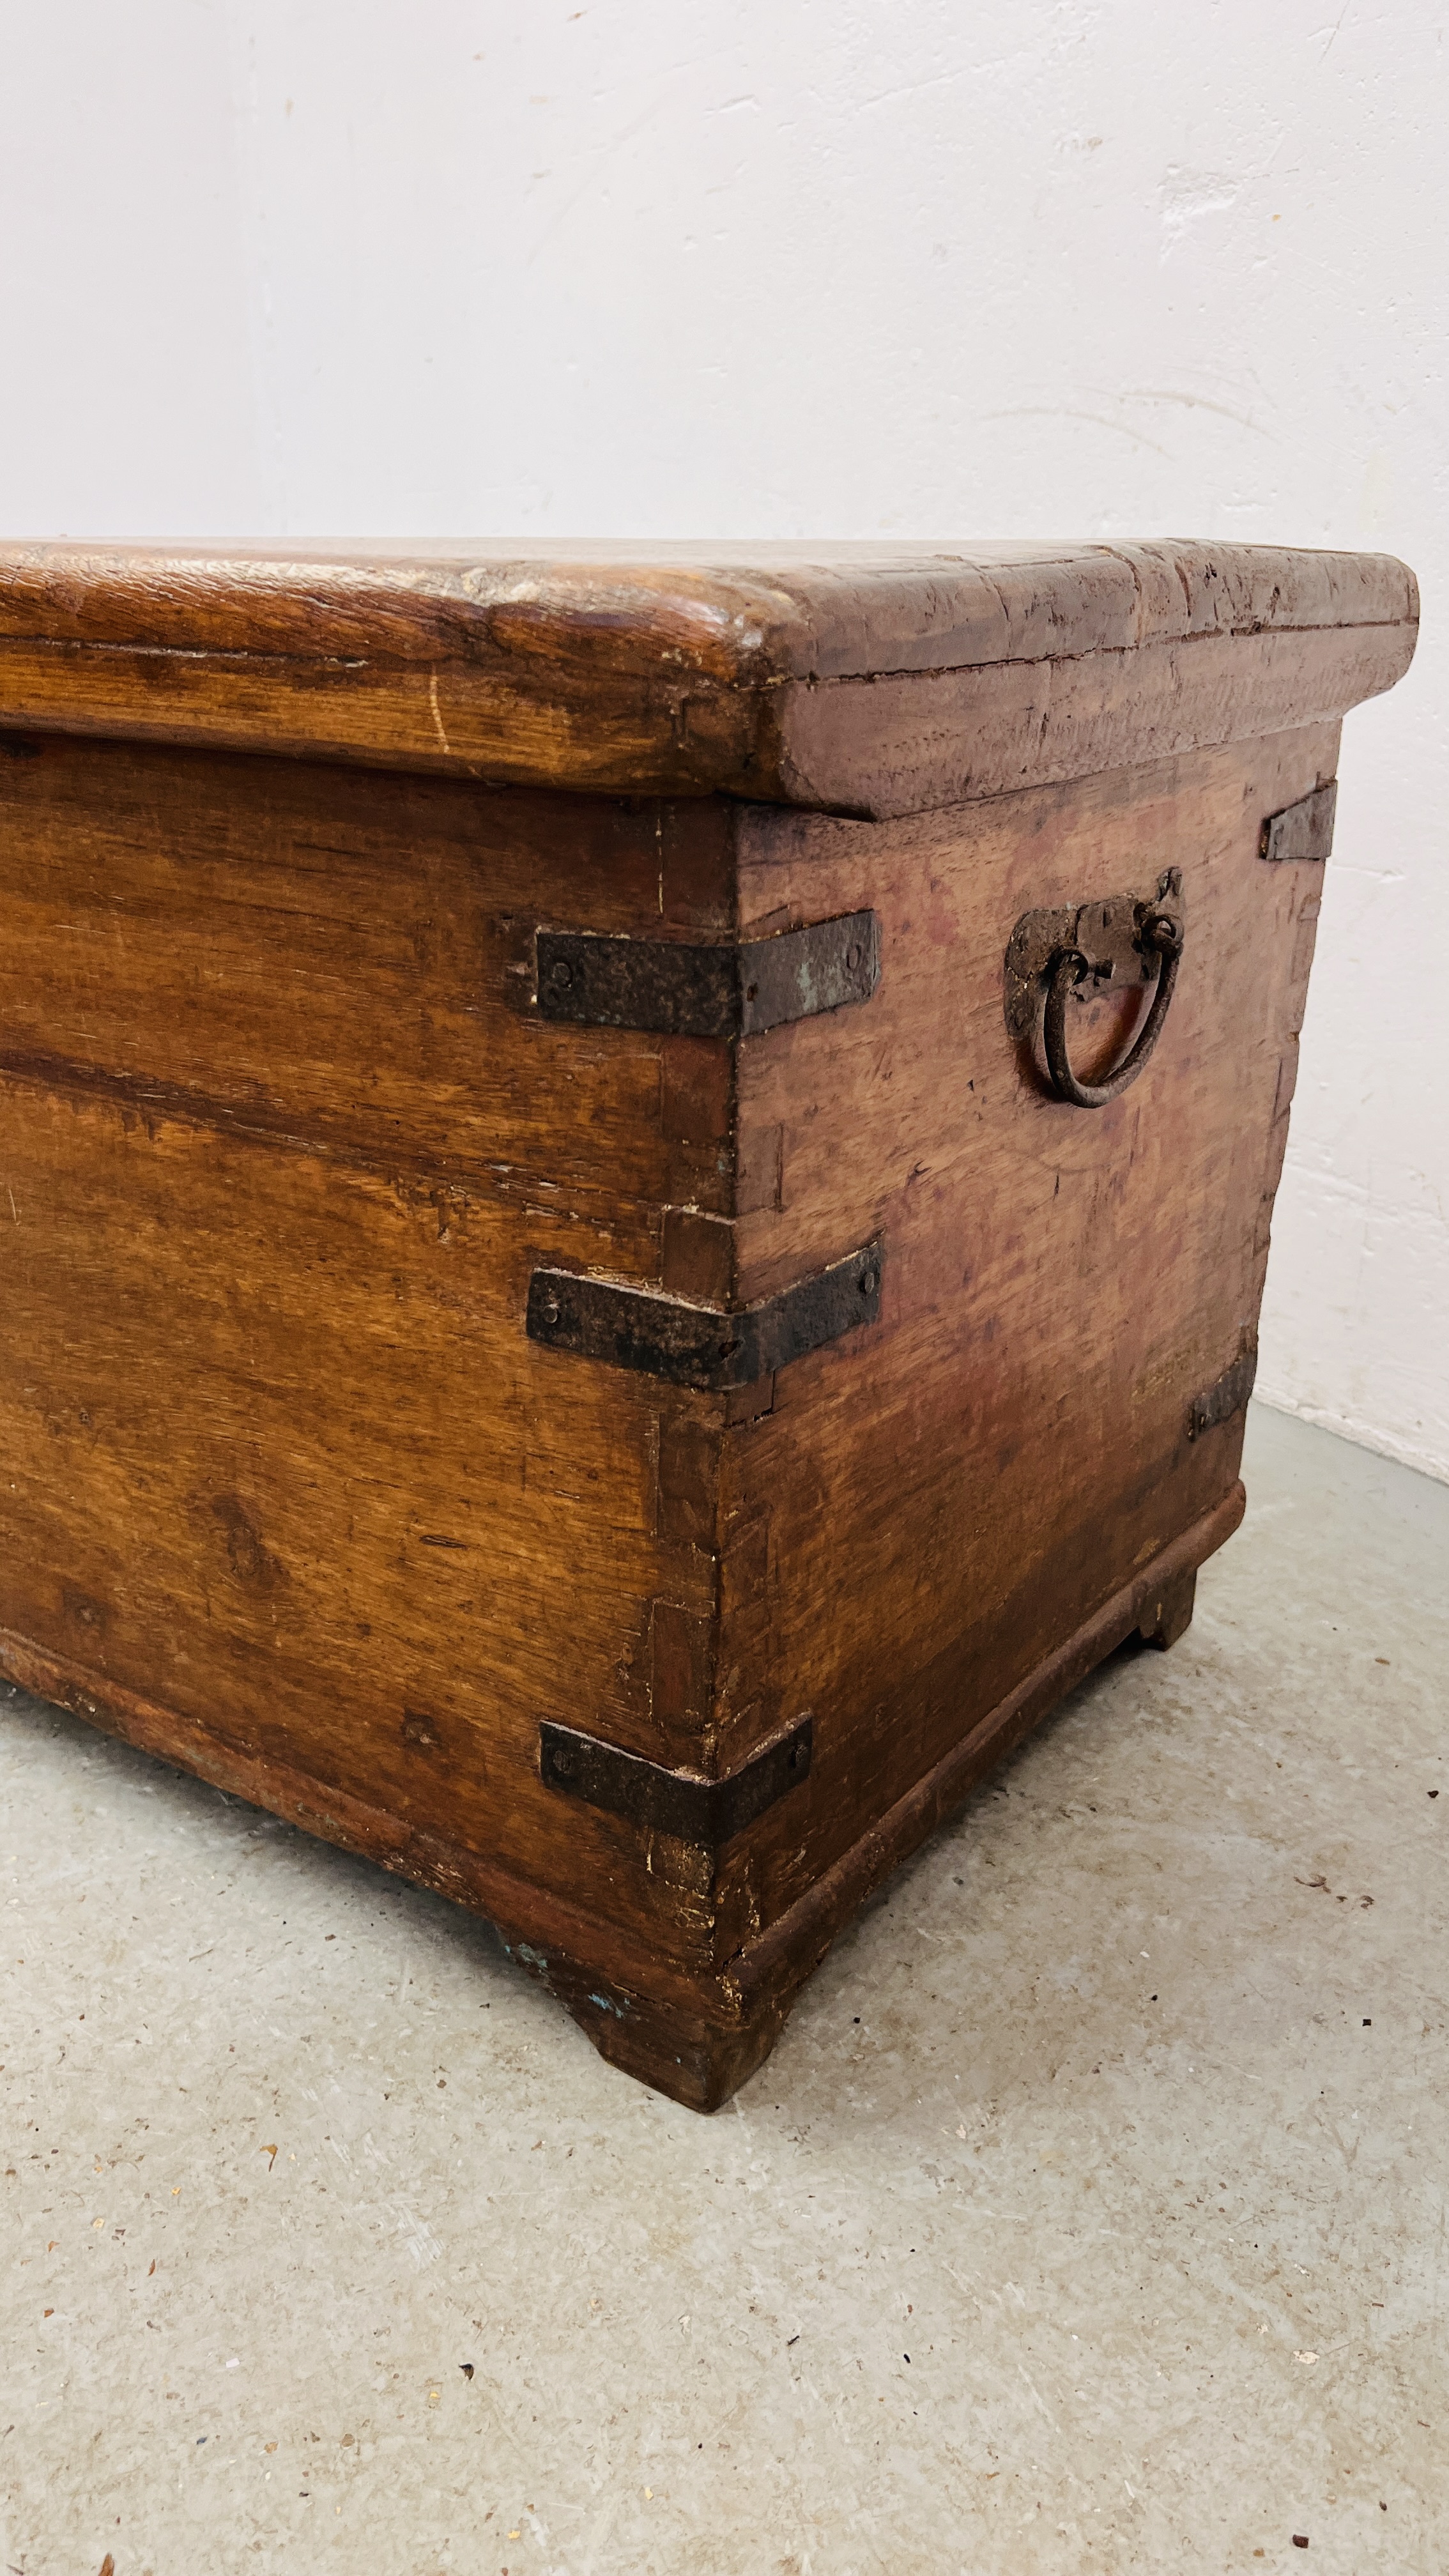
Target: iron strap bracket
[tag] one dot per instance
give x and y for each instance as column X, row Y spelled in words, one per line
column 1304, row 830
column 1227, row 1395
column 712, row 1348
column 706, row 1812
column 730, row 989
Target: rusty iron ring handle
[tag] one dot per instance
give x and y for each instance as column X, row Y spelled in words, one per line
column 1159, row 931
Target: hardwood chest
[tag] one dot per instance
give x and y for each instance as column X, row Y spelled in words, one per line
column 634, row 1188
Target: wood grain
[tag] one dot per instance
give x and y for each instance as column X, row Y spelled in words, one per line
column 292, row 1498
column 288, row 1464
column 1062, row 1284
column 872, row 680
column 281, row 1459
column 347, row 958
column 692, row 2034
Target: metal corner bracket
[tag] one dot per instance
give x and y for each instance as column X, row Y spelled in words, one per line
column 1227, row 1395
column 711, row 1348
column 1304, row 830
column 707, row 1813
column 717, row 989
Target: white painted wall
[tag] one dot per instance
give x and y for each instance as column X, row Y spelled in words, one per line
column 808, row 267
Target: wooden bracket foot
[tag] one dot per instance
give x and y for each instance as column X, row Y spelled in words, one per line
column 1168, row 1614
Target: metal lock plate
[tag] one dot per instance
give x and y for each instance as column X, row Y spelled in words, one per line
column 1107, row 932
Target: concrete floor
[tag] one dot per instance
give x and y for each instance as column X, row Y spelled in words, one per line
column 1090, row 2215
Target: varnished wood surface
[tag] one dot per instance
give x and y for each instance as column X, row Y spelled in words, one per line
column 890, row 747
column 280, row 1458
column 1061, row 1283
column 693, row 2033
column 347, row 958
column 290, row 1495
column 877, row 680
column 281, row 1150
column 773, row 1964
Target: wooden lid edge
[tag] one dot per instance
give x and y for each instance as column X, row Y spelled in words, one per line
column 592, row 695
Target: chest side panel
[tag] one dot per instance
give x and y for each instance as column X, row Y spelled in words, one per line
column 936, row 1511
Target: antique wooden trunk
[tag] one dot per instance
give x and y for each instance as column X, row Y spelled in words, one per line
column 634, row 1188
